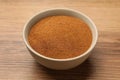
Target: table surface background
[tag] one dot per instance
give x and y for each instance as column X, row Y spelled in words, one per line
column 17, row 64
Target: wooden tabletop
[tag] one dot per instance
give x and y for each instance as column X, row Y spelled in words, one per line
column 17, row 64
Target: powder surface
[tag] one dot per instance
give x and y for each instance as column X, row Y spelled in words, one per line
column 60, row 37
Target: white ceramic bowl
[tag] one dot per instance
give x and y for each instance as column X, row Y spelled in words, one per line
column 59, row 64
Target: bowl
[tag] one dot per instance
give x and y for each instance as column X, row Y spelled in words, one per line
column 59, row 64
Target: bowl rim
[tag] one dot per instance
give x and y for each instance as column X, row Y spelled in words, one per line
column 54, row 59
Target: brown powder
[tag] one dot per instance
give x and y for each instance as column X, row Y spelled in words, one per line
column 60, row 37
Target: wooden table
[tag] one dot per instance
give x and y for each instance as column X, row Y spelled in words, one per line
column 17, row 64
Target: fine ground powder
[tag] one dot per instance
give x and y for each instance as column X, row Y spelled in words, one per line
column 60, row 37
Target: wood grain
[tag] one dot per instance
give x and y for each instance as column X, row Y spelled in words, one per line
column 17, row 64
